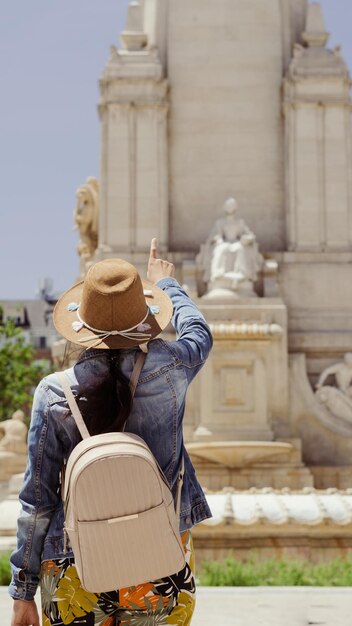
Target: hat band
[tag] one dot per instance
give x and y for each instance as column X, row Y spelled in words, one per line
column 101, row 335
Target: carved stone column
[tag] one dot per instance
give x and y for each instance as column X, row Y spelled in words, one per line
column 317, row 107
column 134, row 163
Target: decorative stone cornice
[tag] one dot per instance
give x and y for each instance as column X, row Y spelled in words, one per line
column 314, row 60
column 140, row 64
column 319, row 100
column 245, row 330
column 277, row 508
column 318, row 63
column 139, row 94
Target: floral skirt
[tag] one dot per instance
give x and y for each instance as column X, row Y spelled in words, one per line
column 170, row 600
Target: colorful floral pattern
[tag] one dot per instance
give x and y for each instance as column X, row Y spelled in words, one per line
column 170, row 600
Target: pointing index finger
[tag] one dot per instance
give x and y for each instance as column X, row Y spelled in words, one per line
column 153, row 249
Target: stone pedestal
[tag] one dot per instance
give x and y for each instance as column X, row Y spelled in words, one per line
column 241, row 394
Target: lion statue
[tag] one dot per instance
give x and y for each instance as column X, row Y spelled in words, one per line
column 86, row 217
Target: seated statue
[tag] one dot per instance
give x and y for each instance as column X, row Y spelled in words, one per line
column 13, row 434
column 86, row 216
column 230, row 257
column 337, row 400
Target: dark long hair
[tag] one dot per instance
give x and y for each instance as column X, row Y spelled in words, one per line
column 105, row 400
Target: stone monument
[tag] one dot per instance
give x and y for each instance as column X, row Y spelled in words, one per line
column 263, row 113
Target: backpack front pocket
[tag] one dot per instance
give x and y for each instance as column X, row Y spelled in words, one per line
column 128, row 550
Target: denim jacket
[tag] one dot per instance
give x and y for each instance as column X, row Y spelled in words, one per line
column 156, row 416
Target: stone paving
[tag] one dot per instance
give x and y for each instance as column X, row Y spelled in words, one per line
column 258, row 606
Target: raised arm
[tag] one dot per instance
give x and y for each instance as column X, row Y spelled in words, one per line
column 194, row 339
column 325, row 374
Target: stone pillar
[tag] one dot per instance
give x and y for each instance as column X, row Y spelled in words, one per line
column 241, row 394
column 317, row 107
column 134, row 172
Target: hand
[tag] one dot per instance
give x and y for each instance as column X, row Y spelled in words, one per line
column 24, row 613
column 235, row 246
column 158, row 268
column 246, row 240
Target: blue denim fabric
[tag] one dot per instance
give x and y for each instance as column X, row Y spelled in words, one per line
column 156, row 416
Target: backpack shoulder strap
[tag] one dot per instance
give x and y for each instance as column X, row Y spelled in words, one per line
column 76, row 413
column 136, row 371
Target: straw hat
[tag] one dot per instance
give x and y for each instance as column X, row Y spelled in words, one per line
column 112, row 308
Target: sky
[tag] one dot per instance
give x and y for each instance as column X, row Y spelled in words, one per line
column 52, row 54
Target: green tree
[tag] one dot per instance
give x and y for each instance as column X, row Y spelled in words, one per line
column 19, row 373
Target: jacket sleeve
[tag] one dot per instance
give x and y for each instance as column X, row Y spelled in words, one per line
column 39, row 497
column 194, row 339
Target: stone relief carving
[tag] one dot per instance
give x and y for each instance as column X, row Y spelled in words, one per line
column 230, row 259
column 305, row 408
column 13, row 434
column 86, row 217
column 337, row 400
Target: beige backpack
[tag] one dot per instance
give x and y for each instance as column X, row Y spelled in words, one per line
column 119, row 510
